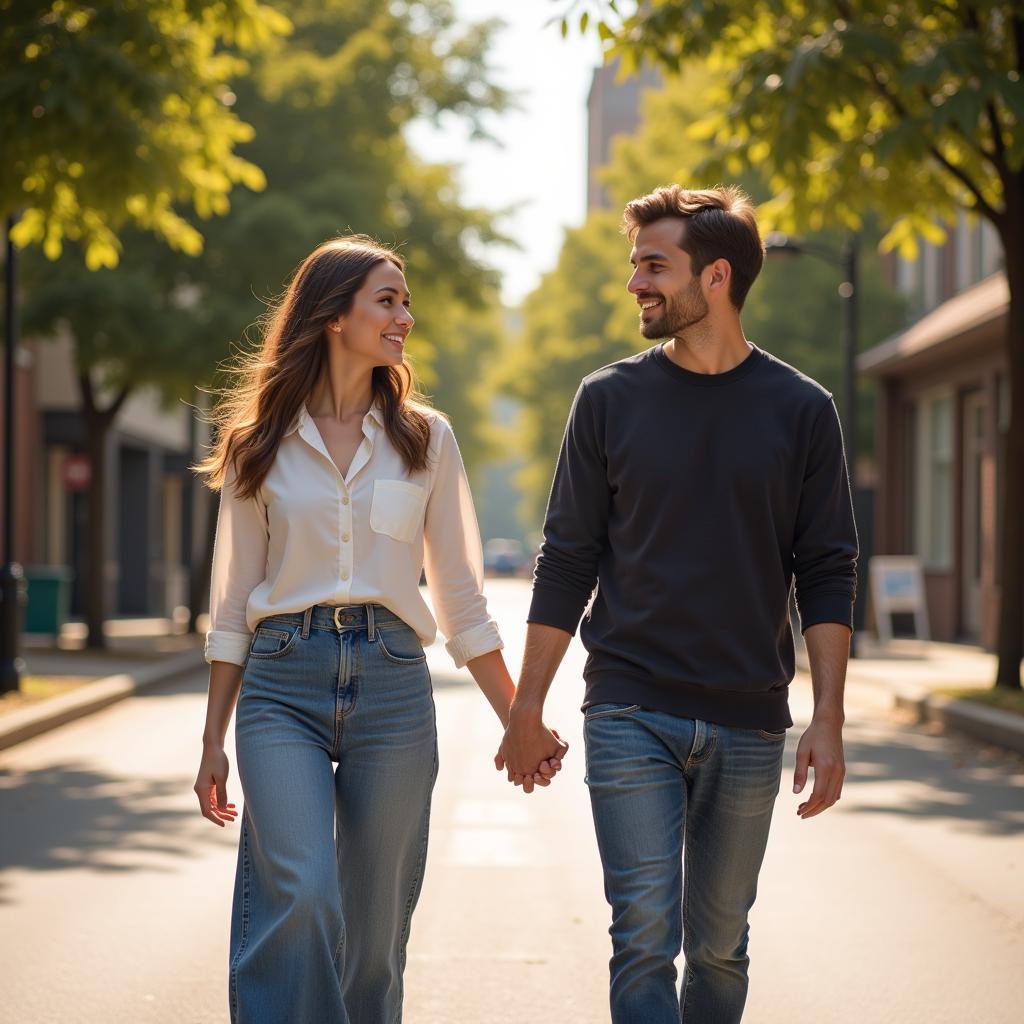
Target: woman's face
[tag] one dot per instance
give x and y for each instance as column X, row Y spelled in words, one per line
column 376, row 327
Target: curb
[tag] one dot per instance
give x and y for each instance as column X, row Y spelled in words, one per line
column 49, row 714
column 976, row 720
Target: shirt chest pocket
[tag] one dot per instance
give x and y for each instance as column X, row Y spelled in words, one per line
column 396, row 509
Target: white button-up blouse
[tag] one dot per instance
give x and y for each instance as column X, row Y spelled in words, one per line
column 312, row 536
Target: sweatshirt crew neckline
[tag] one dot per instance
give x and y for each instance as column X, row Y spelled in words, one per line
column 707, row 380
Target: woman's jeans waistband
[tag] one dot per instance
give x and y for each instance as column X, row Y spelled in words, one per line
column 368, row 617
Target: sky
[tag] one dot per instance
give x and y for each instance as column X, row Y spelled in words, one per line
column 540, row 166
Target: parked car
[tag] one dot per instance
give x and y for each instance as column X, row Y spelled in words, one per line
column 504, row 556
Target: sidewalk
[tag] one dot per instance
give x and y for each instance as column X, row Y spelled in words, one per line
column 62, row 681
column 916, row 673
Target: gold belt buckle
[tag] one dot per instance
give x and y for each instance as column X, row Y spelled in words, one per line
column 337, row 612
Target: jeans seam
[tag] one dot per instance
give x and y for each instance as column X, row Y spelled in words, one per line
column 414, row 888
column 339, row 717
column 688, row 980
column 709, row 748
column 244, row 936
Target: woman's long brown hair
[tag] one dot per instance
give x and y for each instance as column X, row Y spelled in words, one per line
column 272, row 382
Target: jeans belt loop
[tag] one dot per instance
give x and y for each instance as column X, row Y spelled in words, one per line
column 371, row 632
column 307, row 618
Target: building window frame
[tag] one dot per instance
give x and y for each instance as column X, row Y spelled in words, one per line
column 934, row 518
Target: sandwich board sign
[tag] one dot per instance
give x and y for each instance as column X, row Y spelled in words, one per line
column 897, row 585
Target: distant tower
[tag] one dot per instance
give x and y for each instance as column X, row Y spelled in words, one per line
column 613, row 108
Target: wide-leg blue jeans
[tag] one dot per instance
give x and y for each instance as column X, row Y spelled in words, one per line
column 337, row 757
column 682, row 810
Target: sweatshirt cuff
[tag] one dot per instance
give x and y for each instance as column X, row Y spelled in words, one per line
column 471, row 643
column 224, row 646
column 556, row 608
column 825, row 608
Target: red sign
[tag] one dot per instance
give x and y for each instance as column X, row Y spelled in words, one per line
column 77, row 472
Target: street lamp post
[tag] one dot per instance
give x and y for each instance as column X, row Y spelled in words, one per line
column 10, row 574
column 846, row 260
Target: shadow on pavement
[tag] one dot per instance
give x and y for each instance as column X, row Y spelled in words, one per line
column 69, row 817
column 914, row 773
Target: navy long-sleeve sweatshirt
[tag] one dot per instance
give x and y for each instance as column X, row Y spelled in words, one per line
column 692, row 501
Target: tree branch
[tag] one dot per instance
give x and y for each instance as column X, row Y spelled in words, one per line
column 897, row 104
column 998, row 143
column 975, row 144
column 88, row 395
column 115, row 406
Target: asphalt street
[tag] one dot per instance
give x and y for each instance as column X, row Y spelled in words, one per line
column 904, row 903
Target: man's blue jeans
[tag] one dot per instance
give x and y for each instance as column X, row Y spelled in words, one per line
column 682, row 810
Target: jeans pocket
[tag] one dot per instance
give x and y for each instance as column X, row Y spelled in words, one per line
column 272, row 642
column 402, row 646
column 607, row 710
column 768, row 734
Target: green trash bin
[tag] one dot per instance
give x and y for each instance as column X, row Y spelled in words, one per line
column 49, row 598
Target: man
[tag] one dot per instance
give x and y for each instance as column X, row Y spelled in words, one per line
column 695, row 481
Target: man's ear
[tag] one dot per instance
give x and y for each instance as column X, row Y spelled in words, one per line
column 718, row 276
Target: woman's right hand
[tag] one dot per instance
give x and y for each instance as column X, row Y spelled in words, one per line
column 212, row 786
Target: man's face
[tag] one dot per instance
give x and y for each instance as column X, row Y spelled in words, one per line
column 669, row 295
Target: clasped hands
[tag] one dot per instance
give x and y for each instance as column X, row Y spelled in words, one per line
column 530, row 753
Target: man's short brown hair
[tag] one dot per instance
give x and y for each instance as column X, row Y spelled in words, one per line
column 720, row 225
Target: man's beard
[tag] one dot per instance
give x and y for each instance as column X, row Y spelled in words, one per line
column 681, row 313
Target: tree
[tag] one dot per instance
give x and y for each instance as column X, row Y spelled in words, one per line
column 117, row 113
column 113, row 116
column 327, row 105
column 910, row 109
column 578, row 318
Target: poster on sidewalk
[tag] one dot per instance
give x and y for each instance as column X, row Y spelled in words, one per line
column 897, row 585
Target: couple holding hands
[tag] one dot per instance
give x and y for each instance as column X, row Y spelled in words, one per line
column 696, row 482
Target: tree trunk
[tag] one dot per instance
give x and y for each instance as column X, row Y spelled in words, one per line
column 1010, row 641
column 97, row 425
column 95, row 557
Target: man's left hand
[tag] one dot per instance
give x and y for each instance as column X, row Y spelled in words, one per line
column 820, row 748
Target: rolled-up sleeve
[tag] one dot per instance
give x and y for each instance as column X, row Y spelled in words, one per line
column 453, row 557
column 239, row 566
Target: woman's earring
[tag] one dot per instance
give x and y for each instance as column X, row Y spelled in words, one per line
column 336, row 328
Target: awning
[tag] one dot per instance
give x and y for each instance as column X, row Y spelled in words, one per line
column 956, row 326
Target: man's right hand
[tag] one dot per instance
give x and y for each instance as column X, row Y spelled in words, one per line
column 527, row 743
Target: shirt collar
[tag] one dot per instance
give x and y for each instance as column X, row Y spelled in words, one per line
column 374, row 416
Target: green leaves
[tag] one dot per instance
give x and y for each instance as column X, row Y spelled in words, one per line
column 312, row 126
column 912, row 109
column 110, row 117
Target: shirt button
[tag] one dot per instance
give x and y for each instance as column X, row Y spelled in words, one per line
column 344, row 537
column 344, row 575
column 344, row 500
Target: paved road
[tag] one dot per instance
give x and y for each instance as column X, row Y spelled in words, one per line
column 903, row 904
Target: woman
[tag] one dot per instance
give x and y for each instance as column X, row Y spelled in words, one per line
column 338, row 486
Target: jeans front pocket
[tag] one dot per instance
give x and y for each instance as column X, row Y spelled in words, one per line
column 606, row 710
column 272, row 641
column 401, row 646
